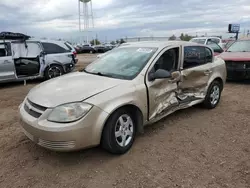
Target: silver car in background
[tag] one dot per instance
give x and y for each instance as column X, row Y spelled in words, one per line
column 22, row 59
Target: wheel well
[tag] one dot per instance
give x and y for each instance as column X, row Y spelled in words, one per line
column 220, row 81
column 135, row 112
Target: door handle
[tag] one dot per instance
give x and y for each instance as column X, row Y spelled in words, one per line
column 208, row 72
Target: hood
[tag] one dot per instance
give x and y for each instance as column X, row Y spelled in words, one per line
column 72, row 87
column 235, row 56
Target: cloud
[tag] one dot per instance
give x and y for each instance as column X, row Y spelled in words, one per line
column 119, row 18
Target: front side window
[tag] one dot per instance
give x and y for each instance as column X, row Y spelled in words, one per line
column 194, row 56
column 51, row 48
column 168, row 60
column 122, row 63
column 240, row 46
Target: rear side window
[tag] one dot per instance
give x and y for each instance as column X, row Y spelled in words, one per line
column 51, row 48
column 194, row 56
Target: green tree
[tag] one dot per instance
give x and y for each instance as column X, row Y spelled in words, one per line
column 173, row 37
column 185, row 37
column 95, row 41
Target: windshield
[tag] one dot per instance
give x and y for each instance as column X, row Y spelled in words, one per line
column 122, row 63
column 199, row 41
column 240, row 46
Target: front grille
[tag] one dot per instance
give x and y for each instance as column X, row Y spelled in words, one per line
column 31, row 112
column 33, row 109
column 56, row 144
column 238, row 64
column 42, row 108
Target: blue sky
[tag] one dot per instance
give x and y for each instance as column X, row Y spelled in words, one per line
column 119, row 18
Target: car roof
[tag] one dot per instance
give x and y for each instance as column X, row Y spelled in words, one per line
column 159, row 44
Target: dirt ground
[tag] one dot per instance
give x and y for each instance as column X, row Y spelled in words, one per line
column 194, row 148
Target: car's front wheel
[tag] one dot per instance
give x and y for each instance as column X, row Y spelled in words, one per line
column 213, row 95
column 119, row 132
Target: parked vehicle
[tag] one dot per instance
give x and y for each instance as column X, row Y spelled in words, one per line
column 237, row 58
column 206, row 40
column 115, row 96
column 30, row 59
column 100, row 48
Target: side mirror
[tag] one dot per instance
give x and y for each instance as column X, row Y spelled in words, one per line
column 159, row 74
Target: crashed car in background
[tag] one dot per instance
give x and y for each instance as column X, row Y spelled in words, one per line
column 237, row 58
column 131, row 86
column 22, row 58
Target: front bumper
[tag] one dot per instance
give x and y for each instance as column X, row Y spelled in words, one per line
column 238, row 73
column 78, row 135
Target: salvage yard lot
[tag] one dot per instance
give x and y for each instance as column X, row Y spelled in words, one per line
column 191, row 148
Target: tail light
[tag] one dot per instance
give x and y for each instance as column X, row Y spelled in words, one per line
column 74, row 53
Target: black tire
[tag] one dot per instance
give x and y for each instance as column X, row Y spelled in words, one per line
column 208, row 102
column 109, row 140
column 47, row 73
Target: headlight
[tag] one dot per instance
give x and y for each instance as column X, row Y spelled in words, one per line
column 67, row 113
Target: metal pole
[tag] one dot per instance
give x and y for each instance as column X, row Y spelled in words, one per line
column 92, row 16
column 87, row 22
column 79, row 11
column 237, row 35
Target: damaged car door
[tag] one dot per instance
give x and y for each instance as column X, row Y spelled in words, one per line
column 27, row 59
column 196, row 70
column 161, row 83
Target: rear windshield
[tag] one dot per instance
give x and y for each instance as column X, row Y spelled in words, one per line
column 199, row 41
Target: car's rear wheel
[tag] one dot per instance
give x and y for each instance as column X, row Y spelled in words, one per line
column 53, row 71
column 119, row 132
column 213, row 95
